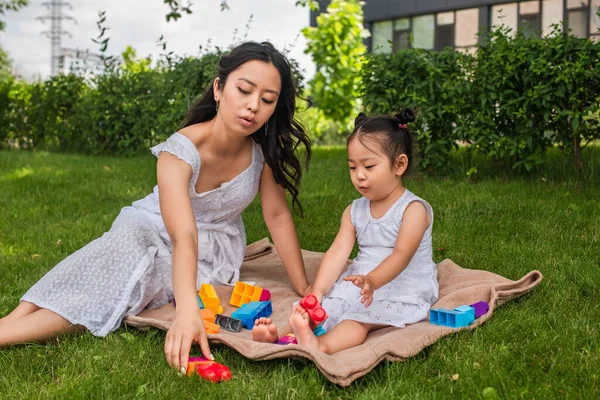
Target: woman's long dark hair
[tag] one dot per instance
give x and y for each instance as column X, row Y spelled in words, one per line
column 284, row 133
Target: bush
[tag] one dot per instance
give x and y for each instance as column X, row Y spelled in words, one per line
column 515, row 98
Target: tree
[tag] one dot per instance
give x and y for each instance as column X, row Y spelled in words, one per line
column 12, row 5
column 178, row 8
column 336, row 46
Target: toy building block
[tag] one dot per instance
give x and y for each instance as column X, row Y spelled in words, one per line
column 210, row 327
column 481, row 308
column 290, row 338
column 208, row 369
column 244, row 293
column 208, row 315
column 231, row 324
column 315, row 311
column 210, row 299
column 459, row 317
column 248, row 313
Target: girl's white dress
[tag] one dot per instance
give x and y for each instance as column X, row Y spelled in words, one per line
column 129, row 267
column 407, row 298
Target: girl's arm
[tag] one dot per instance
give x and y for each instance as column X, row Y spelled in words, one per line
column 414, row 224
column 336, row 257
column 173, row 177
column 280, row 223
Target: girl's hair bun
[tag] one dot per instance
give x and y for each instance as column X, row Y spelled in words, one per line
column 405, row 116
column 359, row 120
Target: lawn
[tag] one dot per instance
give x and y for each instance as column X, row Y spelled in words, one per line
column 539, row 346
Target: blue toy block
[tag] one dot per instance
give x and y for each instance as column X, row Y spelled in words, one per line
column 250, row 312
column 457, row 318
column 200, row 303
column 319, row 330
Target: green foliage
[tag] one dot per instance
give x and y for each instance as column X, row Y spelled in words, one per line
column 512, row 100
column 431, row 83
column 10, row 5
column 532, row 93
column 336, row 47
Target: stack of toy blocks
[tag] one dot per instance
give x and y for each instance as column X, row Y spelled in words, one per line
column 209, row 298
column 250, row 312
column 244, row 293
column 459, row 317
column 317, row 314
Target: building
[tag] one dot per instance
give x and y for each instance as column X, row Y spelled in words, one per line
column 436, row 24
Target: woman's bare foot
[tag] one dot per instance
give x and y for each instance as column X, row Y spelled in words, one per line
column 264, row 330
column 301, row 328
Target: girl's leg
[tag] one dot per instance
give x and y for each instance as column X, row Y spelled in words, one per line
column 39, row 326
column 24, row 308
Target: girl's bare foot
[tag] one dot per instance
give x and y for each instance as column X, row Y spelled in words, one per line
column 264, row 330
column 301, row 328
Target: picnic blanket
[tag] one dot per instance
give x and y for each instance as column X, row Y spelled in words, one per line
column 457, row 286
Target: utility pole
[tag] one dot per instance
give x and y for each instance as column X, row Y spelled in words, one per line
column 56, row 32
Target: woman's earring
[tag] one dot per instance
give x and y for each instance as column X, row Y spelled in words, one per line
column 217, row 106
column 266, row 127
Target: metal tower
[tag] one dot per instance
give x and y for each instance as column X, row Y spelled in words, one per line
column 56, row 31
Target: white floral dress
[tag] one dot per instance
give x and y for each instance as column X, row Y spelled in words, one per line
column 129, row 267
column 407, row 298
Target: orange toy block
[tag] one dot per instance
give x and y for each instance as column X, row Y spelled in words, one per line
column 210, row 299
column 208, row 315
column 244, row 293
column 211, row 327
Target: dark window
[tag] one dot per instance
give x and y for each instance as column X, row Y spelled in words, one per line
column 444, row 36
column 529, row 24
column 401, row 40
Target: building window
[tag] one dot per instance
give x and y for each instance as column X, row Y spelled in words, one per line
column 505, row 14
column 529, row 17
column 595, row 20
column 552, row 13
column 381, row 37
column 444, row 30
column 467, row 27
column 401, row 40
column 577, row 17
column 423, row 31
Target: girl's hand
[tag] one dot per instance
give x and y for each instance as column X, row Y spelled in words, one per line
column 363, row 282
column 187, row 327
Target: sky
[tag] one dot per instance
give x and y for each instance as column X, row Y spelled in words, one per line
column 139, row 23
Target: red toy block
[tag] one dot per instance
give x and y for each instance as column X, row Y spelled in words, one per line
column 317, row 314
column 207, row 369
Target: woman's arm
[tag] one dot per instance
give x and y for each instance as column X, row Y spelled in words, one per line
column 280, row 223
column 414, row 224
column 173, row 177
column 336, row 257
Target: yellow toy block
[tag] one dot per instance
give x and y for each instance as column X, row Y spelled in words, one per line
column 244, row 293
column 210, row 299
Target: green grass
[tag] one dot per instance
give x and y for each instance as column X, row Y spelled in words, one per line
column 542, row 345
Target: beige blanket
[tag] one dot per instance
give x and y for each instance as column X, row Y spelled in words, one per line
column 458, row 286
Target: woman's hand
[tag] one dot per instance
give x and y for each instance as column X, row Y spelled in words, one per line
column 187, row 327
column 363, row 282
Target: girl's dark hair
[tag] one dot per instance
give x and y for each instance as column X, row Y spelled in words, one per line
column 389, row 130
column 284, row 133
